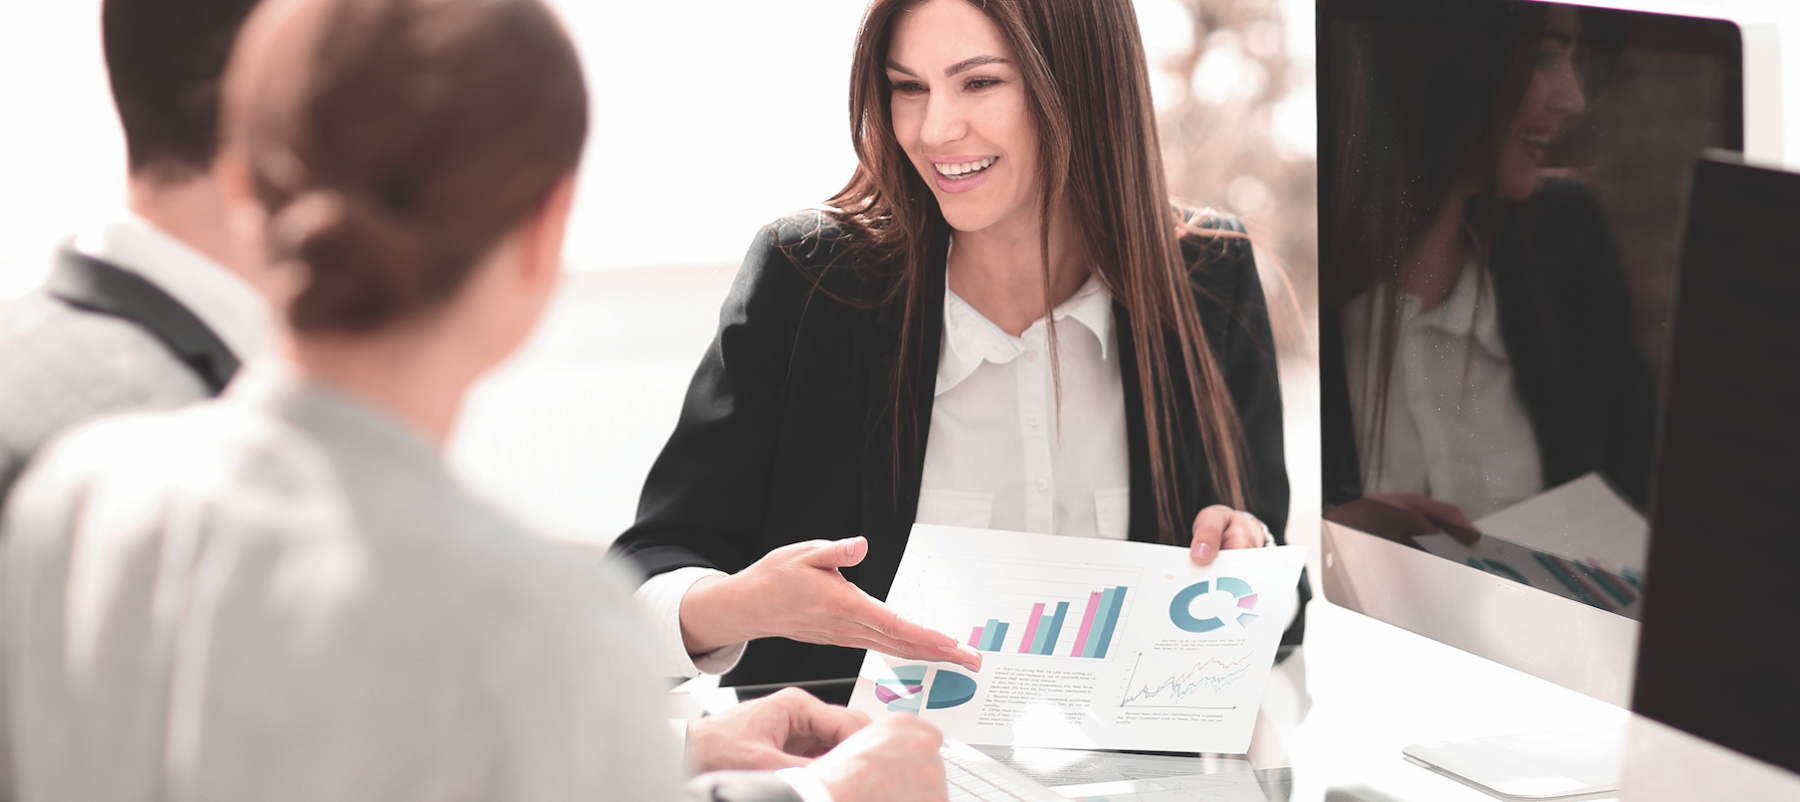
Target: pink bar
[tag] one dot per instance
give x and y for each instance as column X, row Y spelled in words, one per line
column 1037, row 612
column 975, row 638
column 1087, row 622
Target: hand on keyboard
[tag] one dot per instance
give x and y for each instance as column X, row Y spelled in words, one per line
column 893, row 760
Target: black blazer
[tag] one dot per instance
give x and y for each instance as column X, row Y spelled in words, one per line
column 1565, row 316
column 786, row 433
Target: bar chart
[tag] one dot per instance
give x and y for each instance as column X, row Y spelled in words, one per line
column 1042, row 633
column 1027, row 606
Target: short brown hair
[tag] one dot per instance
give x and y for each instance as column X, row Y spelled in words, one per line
column 165, row 59
column 395, row 142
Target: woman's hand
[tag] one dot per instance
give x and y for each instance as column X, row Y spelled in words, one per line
column 1221, row 527
column 796, row 592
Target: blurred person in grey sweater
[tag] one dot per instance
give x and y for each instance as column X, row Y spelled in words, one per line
column 283, row 594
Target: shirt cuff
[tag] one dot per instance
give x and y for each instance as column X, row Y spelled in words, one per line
column 659, row 600
column 806, row 784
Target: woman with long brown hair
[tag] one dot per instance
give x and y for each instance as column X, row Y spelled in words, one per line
column 1476, row 324
column 1001, row 322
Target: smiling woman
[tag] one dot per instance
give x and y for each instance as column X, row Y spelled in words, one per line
column 1476, row 321
column 1002, row 321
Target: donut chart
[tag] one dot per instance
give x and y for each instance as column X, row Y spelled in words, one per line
column 1179, row 613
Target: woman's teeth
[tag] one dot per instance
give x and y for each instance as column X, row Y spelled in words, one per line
column 1537, row 140
column 958, row 172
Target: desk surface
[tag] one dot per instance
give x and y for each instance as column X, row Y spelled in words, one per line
column 1338, row 714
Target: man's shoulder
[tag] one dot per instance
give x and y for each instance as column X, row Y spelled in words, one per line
column 64, row 365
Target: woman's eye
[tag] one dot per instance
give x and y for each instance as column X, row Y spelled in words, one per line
column 909, row 88
column 981, row 83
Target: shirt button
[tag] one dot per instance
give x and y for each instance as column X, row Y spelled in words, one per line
column 1030, row 356
column 1042, row 485
column 1033, row 420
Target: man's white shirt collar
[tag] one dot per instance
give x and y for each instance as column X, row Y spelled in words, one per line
column 222, row 300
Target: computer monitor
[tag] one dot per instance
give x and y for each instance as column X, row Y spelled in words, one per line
column 1500, row 185
column 1721, row 647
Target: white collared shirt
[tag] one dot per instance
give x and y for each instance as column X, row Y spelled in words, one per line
column 1456, row 428
column 995, row 457
column 1005, row 452
column 222, row 300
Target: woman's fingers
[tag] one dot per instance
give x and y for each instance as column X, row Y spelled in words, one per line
column 1209, row 533
column 1244, row 532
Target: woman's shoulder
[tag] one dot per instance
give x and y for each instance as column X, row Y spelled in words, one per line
column 1216, row 250
column 814, row 249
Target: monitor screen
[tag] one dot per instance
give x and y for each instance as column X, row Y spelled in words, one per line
column 1719, row 652
column 1500, row 184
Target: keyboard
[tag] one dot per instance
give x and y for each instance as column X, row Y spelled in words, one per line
column 972, row 776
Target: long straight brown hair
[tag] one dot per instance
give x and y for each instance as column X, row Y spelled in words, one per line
column 1099, row 158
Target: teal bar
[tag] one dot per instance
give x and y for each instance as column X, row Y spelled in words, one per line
column 1000, row 638
column 987, row 635
column 1056, row 624
column 1037, row 643
column 1112, row 620
column 1095, row 638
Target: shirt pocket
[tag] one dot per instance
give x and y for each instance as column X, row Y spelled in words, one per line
column 1112, row 513
column 955, row 508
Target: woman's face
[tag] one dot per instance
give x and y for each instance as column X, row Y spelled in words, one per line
column 960, row 113
column 1551, row 100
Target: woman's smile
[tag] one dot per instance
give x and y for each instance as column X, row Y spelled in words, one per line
column 961, row 173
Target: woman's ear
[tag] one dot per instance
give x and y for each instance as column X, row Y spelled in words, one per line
column 543, row 245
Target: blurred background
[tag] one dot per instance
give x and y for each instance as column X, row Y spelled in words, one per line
column 711, row 118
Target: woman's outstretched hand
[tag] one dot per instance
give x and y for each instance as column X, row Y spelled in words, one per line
column 796, row 592
column 1221, row 527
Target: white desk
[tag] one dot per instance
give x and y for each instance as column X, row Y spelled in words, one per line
column 1360, row 690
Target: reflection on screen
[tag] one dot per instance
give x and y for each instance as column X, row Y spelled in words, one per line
column 1501, row 183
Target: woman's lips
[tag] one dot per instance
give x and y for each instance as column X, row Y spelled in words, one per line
column 958, row 174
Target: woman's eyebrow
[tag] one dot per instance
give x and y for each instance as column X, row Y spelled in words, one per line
column 960, row 66
column 1559, row 37
column 969, row 63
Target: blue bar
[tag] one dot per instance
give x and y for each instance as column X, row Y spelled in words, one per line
column 999, row 638
column 1037, row 643
column 1062, row 611
column 1112, row 619
column 988, row 641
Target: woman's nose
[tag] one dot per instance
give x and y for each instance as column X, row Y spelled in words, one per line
column 945, row 120
column 1565, row 90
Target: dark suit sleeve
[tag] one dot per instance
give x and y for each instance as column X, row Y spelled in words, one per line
column 707, row 492
column 1232, row 292
column 739, row 786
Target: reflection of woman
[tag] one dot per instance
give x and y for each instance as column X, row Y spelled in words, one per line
column 1476, row 338
column 1001, row 322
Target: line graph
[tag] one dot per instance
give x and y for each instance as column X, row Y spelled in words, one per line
column 1195, row 687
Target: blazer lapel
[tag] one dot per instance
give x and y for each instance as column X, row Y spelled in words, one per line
column 891, row 479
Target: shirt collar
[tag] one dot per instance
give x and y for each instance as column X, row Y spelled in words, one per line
column 222, row 300
column 971, row 339
column 1470, row 309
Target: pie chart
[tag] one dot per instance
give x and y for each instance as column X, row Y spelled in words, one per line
column 1183, row 617
column 949, row 689
column 901, row 692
